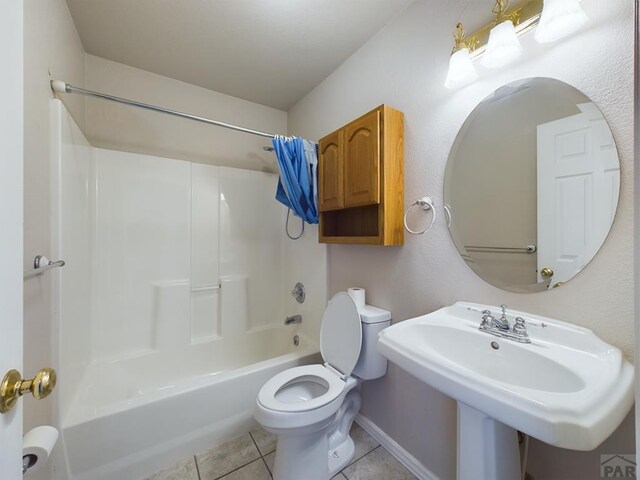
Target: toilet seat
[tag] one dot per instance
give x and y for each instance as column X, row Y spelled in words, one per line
column 341, row 334
column 332, row 384
column 312, row 387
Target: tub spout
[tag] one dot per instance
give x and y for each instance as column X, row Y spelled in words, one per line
column 293, row 320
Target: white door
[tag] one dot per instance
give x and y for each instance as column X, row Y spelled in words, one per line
column 11, row 140
column 578, row 184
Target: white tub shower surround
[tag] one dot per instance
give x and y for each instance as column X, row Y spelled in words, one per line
column 170, row 309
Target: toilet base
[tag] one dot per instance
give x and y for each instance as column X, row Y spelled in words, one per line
column 340, row 456
column 319, row 454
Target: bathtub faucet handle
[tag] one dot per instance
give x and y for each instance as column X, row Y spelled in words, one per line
column 298, row 292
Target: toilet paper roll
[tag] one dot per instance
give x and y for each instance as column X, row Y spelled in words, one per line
column 37, row 445
column 358, row 295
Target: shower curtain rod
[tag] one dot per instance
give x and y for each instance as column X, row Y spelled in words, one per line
column 59, row 86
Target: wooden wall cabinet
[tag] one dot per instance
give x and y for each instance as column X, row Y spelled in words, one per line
column 331, row 172
column 361, row 181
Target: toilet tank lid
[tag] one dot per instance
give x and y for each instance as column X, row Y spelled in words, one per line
column 371, row 314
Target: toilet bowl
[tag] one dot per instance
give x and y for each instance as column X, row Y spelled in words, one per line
column 311, row 408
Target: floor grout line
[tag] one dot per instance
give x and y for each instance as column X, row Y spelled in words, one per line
column 341, row 474
column 261, row 455
column 267, row 467
column 195, row 460
column 256, row 444
column 236, row 469
column 357, row 460
column 361, row 458
column 253, row 440
column 354, row 460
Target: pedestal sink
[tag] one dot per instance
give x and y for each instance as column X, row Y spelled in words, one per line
column 567, row 387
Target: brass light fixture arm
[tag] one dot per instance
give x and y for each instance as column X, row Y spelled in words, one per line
column 459, row 36
column 525, row 17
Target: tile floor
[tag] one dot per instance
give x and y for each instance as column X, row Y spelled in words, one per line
column 251, row 456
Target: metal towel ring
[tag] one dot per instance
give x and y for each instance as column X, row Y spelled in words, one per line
column 426, row 204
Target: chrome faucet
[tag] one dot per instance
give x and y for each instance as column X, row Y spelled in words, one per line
column 293, row 320
column 502, row 323
column 499, row 327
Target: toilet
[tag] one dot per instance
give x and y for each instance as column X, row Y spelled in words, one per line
column 311, row 408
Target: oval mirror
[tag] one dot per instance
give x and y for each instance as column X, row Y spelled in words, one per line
column 532, row 185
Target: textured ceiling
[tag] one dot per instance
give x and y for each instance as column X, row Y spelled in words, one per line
column 271, row 52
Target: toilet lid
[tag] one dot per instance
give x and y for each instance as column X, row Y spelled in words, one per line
column 341, row 333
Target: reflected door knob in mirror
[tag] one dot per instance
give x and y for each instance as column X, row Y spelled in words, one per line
column 13, row 386
column 546, row 272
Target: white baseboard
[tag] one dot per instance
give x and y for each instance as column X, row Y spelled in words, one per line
column 404, row 457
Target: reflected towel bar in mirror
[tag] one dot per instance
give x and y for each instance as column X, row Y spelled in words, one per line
column 529, row 249
column 41, row 264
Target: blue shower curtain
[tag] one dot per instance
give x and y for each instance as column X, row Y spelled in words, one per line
column 298, row 183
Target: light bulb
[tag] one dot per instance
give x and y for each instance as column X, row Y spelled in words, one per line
column 503, row 47
column 461, row 70
column 559, row 18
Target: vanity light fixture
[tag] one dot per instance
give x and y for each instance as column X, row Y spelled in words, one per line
column 461, row 69
column 504, row 46
column 497, row 42
column 559, row 19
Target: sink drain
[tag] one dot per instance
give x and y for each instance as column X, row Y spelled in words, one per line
column 495, row 345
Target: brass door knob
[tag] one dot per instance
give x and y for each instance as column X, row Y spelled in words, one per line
column 13, row 386
column 546, row 272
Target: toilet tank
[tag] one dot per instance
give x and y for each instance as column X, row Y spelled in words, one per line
column 371, row 364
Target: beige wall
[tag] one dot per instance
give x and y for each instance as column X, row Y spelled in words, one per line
column 405, row 65
column 120, row 127
column 51, row 44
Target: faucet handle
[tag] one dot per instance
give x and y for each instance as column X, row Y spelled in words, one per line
column 503, row 307
column 487, row 319
column 519, row 328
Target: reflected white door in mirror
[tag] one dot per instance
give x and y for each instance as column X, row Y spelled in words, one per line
column 532, row 185
column 566, row 387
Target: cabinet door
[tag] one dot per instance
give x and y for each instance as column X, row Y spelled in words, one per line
column 330, row 172
column 362, row 161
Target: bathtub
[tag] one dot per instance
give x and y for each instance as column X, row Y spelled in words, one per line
column 168, row 315
column 135, row 416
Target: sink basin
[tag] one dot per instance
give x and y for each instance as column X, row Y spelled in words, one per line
column 476, row 355
column 567, row 387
